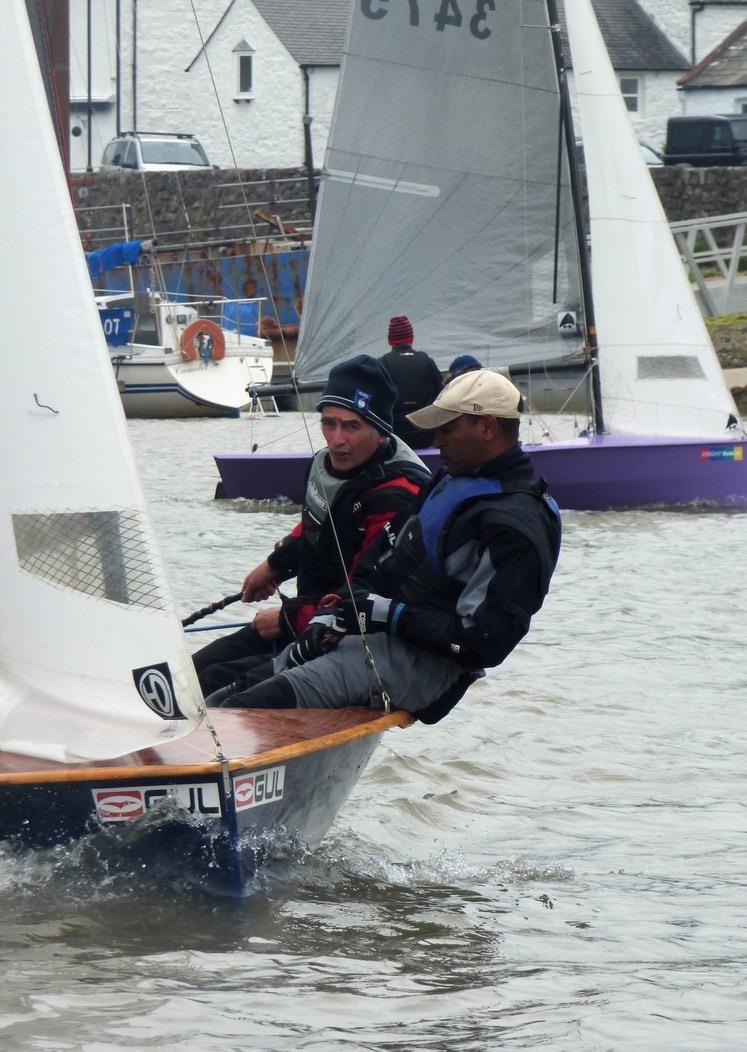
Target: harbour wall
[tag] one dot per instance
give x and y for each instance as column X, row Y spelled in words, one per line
column 205, row 208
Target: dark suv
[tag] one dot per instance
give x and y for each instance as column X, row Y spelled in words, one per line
column 717, row 139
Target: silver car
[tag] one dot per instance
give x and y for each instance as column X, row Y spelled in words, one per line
column 154, row 152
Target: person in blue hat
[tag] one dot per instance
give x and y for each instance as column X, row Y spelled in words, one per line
column 463, row 363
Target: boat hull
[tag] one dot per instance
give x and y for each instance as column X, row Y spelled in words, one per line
column 594, row 474
column 611, row 472
column 212, row 823
column 159, row 389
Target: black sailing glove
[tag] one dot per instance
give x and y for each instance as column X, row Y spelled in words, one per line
column 322, row 634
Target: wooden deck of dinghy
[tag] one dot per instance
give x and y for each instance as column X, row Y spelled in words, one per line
column 249, row 737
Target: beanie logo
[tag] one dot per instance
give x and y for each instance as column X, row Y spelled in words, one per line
column 362, row 398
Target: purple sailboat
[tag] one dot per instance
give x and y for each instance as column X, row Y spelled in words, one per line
column 488, row 254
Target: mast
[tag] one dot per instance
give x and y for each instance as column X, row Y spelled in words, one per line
column 570, row 143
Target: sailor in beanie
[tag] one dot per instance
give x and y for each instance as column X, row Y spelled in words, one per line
column 363, row 479
column 416, row 378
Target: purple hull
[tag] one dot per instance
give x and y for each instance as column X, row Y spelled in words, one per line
column 584, row 474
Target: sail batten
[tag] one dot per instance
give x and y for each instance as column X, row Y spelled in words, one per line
column 439, row 193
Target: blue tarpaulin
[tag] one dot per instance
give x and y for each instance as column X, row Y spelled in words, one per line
column 241, row 317
column 121, row 254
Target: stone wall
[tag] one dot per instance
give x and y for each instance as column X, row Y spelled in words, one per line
column 196, row 207
column 189, row 208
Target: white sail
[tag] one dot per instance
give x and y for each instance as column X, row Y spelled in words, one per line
column 92, row 660
column 439, row 192
column 658, row 370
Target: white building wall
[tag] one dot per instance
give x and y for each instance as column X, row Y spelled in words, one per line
column 712, row 24
column 322, row 105
column 715, row 100
column 263, row 131
column 673, row 17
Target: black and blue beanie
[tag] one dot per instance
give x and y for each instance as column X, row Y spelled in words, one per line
column 363, row 385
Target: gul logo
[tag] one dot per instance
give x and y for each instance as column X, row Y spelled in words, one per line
column 122, row 805
column 264, row 787
column 156, row 687
column 118, row 805
column 722, row 453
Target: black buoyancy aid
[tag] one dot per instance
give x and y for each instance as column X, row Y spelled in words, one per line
column 331, row 498
column 449, row 515
column 412, row 375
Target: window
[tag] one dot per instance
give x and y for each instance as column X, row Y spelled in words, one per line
column 244, row 70
column 629, row 89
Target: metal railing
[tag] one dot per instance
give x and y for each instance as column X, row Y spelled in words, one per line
column 715, row 253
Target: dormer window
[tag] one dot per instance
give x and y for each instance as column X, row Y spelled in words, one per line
column 244, row 60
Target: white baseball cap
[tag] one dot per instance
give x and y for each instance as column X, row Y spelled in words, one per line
column 478, row 393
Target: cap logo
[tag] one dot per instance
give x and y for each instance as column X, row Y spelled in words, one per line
column 362, row 398
column 476, row 407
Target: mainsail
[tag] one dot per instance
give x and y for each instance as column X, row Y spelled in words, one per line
column 659, row 372
column 443, row 197
column 92, row 659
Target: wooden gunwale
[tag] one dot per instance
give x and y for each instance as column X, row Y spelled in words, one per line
column 152, row 763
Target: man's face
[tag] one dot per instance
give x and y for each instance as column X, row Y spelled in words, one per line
column 464, row 443
column 351, row 439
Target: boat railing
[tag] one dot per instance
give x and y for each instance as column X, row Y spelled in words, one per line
column 242, row 319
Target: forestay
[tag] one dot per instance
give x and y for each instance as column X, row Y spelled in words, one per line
column 92, row 662
column 440, row 186
column 659, row 372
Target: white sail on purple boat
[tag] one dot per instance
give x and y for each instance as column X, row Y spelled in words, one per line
column 447, row 195
column 101, row 716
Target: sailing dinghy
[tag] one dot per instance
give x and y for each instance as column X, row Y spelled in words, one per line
column 102, row 723
column 450, row 194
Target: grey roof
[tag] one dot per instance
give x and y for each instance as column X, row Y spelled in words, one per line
column 312, row 30
column 633, row 39
column 724, row 67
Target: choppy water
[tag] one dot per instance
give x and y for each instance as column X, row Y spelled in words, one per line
column 560, row 864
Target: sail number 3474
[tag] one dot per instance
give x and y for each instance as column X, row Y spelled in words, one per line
column 449, row 13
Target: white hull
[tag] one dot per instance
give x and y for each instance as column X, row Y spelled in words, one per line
column 153, row 388
column 183, row 365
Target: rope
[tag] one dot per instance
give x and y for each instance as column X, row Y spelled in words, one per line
column 219, row 605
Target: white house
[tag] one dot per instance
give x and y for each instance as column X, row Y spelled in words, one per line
column 248, row 77
column 243, row 75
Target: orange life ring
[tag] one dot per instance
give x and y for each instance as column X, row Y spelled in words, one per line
column 203, row 327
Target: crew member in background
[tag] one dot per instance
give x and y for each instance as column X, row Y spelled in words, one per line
column 363, row 479
column 463, row 363
column 457, row 590
column 416, row 378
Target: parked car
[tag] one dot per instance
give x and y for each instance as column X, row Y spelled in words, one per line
column 650, row 155
column 715, row 139
column 153, row 152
